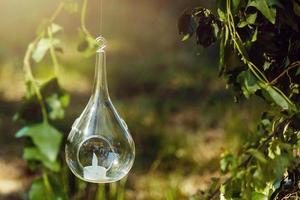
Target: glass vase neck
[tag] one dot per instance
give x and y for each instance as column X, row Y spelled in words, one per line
column 100, row 82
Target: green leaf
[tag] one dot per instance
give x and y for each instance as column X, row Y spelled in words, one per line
column 251, row 18
column 42, row 47
column 45, row 137
column 262, row 6
column 258, row 155
column 55, row 28
column 56, row 105
column 274, row 150
column 222, row 15
column 48, row 188
column 281, row 163
column 30, row 111
column 65, row 100
column 57, row 111
column 186, row 37
column 250, row 83
column 236, row 4
column 88, row 45
column 277, row 98
column 226, row 161
column 33, row 154
column 258, row 196
column 242, row 24
column 37, row 190
column 267, row 65
column 254, row 36
column 186, row 24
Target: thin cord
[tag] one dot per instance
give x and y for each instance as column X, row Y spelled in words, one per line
column 101, row 17
column 100, row 39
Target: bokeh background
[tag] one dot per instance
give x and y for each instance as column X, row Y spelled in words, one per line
column 179, row 111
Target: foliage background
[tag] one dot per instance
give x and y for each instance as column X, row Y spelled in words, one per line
column 178, row 111
column 259, row 48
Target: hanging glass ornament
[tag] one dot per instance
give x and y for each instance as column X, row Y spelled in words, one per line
column 99, row 148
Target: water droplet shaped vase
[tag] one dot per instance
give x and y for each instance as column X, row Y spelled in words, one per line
column 99, row 148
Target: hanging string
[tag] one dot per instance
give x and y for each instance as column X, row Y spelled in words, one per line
column 100, row 39
column 101, row 17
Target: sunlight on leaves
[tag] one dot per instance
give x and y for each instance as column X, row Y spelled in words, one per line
column 45, row 137
column 42, row 47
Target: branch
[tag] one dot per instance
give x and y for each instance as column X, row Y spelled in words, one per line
column 291, row 66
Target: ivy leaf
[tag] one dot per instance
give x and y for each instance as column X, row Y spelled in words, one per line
column 249, row 82
column 54, row 191
column 251, row 18
column 34, row 154
column 277, row 98
column 242, row 24
column 280, row 164
column 50, row 87
column 55, row 28
column 236, row 4
column 56, row 105
column 42, row 47
column 88, row 45
column 56, row 98
column 258, row 155
column 254, row 36
column 45, row 137
column 222, row 15
column 226, row 161
column 64, row 100
column 266, row 65
column 262, row 6
column 208, row 28
column 273, row 150
column 37, row 190
column 186, row 25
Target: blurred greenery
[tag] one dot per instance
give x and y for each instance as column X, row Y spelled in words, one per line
column 169, row 92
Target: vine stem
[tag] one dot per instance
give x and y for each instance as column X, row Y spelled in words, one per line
column 30, row 78
column 82, row 18
column 48, row 186
column 57, row 11
column 292, row 66
column 236, row 39
column 27, row 64
column 53, row 54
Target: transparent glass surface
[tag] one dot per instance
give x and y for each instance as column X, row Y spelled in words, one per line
column 99, row 147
